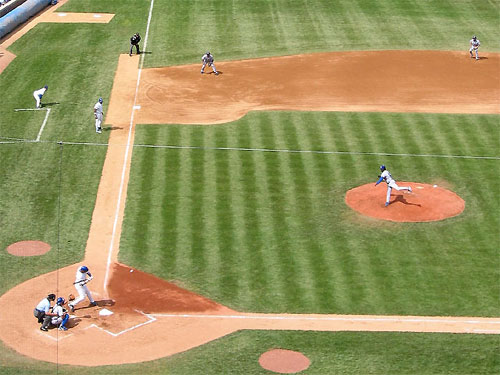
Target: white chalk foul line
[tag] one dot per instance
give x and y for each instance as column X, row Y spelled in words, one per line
column 128, row 146
column 43, row 125
column 329, row 318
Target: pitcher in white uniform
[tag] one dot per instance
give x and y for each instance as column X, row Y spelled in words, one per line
column 391, row 183
column 38, row 94
column 98, row 114
column 82, row 277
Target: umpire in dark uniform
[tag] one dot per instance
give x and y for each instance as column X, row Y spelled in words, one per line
column 134, row 41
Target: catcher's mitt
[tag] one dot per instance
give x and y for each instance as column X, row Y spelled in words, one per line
column 71, row 297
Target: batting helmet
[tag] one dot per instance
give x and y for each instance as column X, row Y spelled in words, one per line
column 61, row 301
column 84, row 269
column 382, row 168
column 45, row 87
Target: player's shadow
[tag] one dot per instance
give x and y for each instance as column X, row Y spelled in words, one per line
column 101, row 303
column 50, row 104
column 218, row 71
column 402, row 199
column 145, row 53
column 482, row 58
column 109, row 128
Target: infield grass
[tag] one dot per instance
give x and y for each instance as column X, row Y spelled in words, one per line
column 270, row 232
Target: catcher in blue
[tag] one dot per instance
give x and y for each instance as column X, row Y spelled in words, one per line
column 391, row 183
column 208, row 59
column 474, row 46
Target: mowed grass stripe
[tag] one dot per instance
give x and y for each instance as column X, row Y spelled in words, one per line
column 259, row 272
column 168, row 231
column 319, row 173
column 298, row 208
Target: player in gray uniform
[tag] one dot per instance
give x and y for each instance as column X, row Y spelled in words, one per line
column 208, row 59
column 98, row 114
column 391, row 183
column 474, row 46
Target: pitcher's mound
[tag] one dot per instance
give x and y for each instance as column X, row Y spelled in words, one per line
column 284, row 361
column 425, row 203
column 28, row 248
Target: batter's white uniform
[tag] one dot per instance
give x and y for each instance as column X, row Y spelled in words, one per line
column 80, row 285
column 208, row 59
column 37, row 94
column 474, row 46
column 98, row 114
column 391, row 184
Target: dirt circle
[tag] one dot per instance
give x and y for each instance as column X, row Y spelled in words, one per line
column 284, row 361
column 28, row 248
column 425, row 203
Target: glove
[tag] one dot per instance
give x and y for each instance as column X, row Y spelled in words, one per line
column 71, row 297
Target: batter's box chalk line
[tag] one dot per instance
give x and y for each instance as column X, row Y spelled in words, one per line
column 58, row 338
column 151, row 319
column 44, row 120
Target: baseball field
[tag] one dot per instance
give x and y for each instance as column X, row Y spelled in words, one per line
column 233, row 187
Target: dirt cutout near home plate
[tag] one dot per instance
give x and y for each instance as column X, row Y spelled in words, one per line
column 284, row 361
column 49, row 14
column 28, row 248
column 152, row 318
column 425, row 203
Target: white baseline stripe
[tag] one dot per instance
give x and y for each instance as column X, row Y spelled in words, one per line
column 43, row 125
column 124, row 168
column 328, row 318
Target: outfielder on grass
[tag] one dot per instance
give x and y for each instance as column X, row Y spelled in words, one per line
column 83, row 276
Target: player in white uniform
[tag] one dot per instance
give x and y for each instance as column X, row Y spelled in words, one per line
column 208, row 59
column 474, row 46
column 37, row 94
column 391, row 183
column 98, row 114
column 81, row 280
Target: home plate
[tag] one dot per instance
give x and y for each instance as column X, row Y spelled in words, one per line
column 105, row 312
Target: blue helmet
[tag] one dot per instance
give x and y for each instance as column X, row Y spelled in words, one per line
column 382, row 168
column 100, row 100
column 84, row 269
column 61, row 301
column 45, row 87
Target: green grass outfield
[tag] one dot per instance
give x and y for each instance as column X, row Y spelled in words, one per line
column 262, row 231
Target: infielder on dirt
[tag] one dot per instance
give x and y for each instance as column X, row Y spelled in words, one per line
column 80, row 285
column 474, row 46
column 208, row 59
column 38, row 94
column 98, row 114
column 391, row 183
